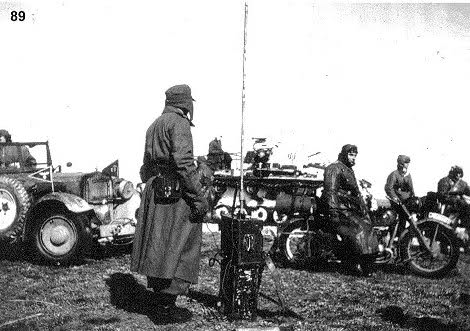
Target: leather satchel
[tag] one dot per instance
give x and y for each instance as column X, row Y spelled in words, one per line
column 167, row 186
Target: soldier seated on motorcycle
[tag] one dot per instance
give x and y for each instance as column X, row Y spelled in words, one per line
column 399, row 186
column 348, row 214
column 450, row 190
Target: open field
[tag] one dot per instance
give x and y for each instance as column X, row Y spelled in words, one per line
column 102, row 294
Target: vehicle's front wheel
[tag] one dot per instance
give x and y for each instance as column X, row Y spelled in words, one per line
column 443, row 244
column 58, row 238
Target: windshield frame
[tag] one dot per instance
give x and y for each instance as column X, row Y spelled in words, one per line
column 23, row 168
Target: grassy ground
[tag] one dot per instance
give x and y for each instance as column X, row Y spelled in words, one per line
column 102, row 294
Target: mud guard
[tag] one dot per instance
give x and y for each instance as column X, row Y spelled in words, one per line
column 439, row 218
column 433, row 217
column 73, row 203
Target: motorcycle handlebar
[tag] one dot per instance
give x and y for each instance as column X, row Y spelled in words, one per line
column 401, row 204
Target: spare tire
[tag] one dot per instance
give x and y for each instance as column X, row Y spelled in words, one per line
column 14, row 206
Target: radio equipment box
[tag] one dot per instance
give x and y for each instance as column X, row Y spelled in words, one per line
column 241, row 240
column 241, row 267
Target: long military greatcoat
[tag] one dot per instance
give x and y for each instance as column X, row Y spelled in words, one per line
column 167, row 245
column 346, row 209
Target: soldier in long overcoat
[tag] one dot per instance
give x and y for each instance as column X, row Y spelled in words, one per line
column 347, row 212
column 168, row 235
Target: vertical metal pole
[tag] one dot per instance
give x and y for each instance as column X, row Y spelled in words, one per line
column 52, row 179
column 241, row 197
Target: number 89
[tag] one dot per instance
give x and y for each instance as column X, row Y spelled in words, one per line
column 18, row 16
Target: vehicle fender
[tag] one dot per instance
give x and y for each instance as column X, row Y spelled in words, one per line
column 438, row 218
column 441, row 220
column 73, row 203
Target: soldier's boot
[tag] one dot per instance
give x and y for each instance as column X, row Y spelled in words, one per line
column 367, row 264
column 167, row 311
column 166, row 299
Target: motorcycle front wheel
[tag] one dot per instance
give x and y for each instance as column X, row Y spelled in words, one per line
column 444, row 247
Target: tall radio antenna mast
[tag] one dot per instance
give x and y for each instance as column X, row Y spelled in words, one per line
column 241, row 197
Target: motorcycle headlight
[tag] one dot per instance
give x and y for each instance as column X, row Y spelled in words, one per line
column 125, row 189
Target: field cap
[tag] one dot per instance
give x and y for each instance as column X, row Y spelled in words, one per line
column 403, row 159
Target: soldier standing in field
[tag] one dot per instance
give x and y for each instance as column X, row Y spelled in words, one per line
column 168, row 236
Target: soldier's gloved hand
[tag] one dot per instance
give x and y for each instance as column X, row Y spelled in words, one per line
column 196, row 217
column 198, row 211
column 334, row 218
column 397, row 201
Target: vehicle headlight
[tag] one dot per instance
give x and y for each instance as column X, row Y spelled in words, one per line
column 125, row 189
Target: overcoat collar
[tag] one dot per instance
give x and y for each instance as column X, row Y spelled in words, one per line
column 171, row 109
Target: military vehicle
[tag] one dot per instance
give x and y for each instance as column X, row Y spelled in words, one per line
column 57, row 214
column 276, row 194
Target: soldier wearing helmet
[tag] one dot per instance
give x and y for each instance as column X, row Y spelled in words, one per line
column 347, row 212
column 451, row 190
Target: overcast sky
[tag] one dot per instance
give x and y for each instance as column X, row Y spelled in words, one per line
column 90, row 77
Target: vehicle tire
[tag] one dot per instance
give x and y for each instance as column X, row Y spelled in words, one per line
column 59, row 237
column 421, row 262
column 293, row 245
column 15, row 203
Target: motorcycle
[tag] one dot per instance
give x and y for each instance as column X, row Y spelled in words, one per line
column 459, row 220
column 416, row 237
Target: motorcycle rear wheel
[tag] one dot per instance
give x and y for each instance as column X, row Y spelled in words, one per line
column 442, row 241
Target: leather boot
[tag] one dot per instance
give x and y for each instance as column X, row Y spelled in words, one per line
column 367, row 265
column 167, row 311
column 366, row 269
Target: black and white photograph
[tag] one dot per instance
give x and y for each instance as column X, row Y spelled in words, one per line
column 242, row 165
